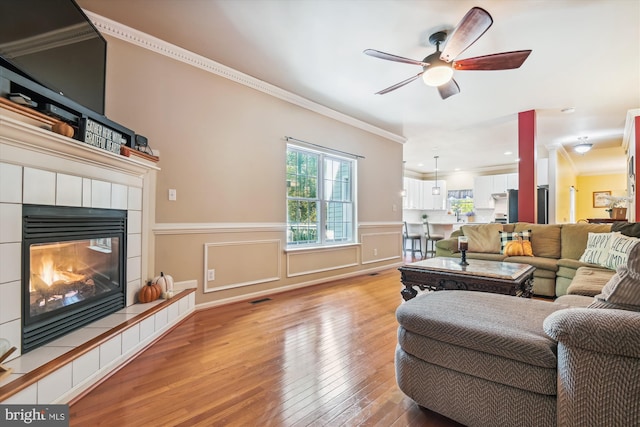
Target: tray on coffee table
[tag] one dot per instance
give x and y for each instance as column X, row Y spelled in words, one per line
column 443, row 273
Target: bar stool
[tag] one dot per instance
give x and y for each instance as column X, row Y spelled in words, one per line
column 414, row 238
column 433, row 238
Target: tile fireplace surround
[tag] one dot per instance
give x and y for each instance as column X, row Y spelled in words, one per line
column 40, row 167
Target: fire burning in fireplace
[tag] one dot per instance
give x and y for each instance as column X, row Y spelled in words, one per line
column 50, row 277
column 65, row 273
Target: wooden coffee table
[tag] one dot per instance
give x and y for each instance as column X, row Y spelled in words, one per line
column 443, row 273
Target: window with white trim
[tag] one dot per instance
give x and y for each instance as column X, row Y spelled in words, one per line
column 320, row 198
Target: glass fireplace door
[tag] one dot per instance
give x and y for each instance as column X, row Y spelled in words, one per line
column 73, row 269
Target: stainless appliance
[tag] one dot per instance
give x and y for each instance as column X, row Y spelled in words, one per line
column 543, row 204
column 512, row 206
column 500, row 218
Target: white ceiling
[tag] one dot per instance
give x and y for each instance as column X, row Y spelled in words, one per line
column 586, row 55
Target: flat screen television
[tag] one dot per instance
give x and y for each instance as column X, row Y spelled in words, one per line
column 53, row 43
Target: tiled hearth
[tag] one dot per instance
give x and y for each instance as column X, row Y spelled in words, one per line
column 63, row 369
column 40, row 167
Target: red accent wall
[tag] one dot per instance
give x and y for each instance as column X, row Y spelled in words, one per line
column 527, row 166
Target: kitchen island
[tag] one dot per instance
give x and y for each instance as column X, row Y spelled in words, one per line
column 446, row 228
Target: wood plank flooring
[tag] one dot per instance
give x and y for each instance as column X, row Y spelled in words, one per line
column 318, row 356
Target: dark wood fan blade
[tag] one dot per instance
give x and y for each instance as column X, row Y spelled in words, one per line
column 396, row 58
column 473, row 25
column 398, row 85
column 497, row 61
column 449, row 89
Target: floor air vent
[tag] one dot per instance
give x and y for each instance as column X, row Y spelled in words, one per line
column 258, row 301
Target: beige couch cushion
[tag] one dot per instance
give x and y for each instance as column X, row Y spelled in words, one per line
column 574, row 238
column 540, row 263
column 545, row 239
column 483, row 238
column 589, row 281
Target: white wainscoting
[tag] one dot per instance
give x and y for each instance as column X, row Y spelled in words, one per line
column 263, row 256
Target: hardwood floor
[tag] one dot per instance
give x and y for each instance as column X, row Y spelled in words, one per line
column 319, row 356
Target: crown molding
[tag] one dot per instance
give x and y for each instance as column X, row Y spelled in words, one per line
column 146, row 41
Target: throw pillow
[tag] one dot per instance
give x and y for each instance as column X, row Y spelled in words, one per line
column 597, row 249
column 619, row 250
column 506, row 237
column 518, row 248
column 631, row 229
column 622, row 291
column 483, row 238
column 545, row 238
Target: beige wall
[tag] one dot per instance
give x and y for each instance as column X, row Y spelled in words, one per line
column 221, row 147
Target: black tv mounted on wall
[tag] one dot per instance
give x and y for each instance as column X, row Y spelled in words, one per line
column 53, row 59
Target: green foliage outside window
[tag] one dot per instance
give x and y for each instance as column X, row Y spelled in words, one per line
column 460, row 201
column 318, row 214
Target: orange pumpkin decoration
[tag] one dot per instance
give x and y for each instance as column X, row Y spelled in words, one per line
column 518, row 247
column 63, row 129
column 149, row 292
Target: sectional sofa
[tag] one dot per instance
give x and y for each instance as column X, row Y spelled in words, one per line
column 492, row 360
column 557, row 252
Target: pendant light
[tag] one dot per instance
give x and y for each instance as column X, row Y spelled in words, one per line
column 436, row 190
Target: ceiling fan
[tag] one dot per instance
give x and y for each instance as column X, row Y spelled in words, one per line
column 437, row 68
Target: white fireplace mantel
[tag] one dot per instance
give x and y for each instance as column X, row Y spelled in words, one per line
column 38, row 166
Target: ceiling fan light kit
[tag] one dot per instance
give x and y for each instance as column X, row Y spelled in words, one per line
column 438, row 68
column 437, row 76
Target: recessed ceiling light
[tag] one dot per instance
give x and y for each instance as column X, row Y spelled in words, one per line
column 420, row 164
column 456, row 169
column 508, row 153
column 568, row 110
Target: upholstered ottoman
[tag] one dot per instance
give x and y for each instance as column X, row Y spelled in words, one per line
column 481, row 359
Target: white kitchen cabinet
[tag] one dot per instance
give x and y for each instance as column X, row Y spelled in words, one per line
column 418, row 195
column 485, row 186
column 482, row 190
column 499, row 183
column 413, row 196
column 431, row 201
